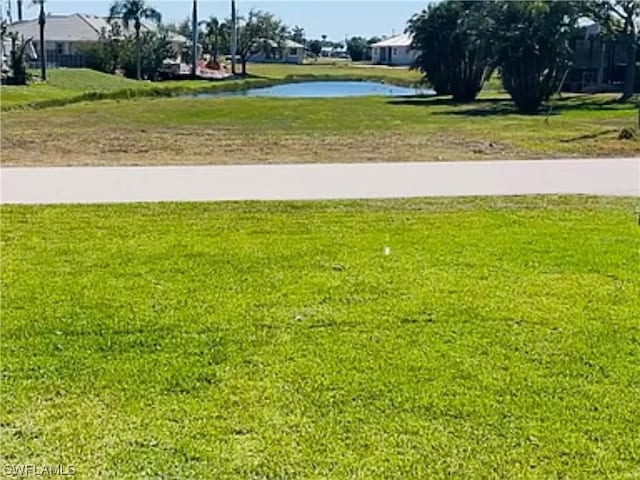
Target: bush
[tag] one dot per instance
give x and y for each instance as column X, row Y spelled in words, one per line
column 532, row 48
column 17, row 65
column 453, row 47
column 357, row 48
column 103, row 55
column 155, row 48
column 110, row 54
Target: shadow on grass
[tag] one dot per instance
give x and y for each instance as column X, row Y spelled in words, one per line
column 491, row 106
column 589, row 136
column 480, row 107
column 433, row 100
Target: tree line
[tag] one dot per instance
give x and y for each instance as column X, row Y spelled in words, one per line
column 461, row 43
column 141, row 54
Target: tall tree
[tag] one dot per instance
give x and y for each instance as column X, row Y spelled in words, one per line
column 357, row 48
column 134, row 11
column 621, row 18
column 453, row 47
column 315, row 47
column 257, row 32
column 532, row 41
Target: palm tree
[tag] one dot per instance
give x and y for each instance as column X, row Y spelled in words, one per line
column 214, row 35
column 134, row 11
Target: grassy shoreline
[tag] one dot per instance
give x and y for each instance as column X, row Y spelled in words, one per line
column 167, row 91
column 19, row 98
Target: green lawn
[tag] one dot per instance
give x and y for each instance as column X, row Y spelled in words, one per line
column 64, row 83
column 240, row 130
column 275, row 70
column 72, row 85
column 499, row 339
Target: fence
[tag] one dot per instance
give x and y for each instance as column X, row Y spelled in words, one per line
column 55, row 60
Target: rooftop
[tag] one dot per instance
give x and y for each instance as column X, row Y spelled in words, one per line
column 77, row 27
column 403, row 40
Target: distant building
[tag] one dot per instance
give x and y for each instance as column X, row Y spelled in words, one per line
column 394, row 50
column 326, row 51
column 334, row 51
column 64, row 34
column 5, row 52
column 288, row 52
column 599, row 64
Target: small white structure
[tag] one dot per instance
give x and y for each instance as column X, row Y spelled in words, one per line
column 289, row 52
column 394, row 51
column 5, row 51
column 326, row 51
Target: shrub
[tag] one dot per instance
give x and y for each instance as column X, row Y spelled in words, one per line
column 109, row 54
column 453, row 47
column 532, row 48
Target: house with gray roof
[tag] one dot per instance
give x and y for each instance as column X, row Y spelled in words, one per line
column 65, row 33
column 394, row 50
column 288, row 52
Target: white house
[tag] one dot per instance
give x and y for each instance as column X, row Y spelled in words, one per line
column 290, row 52
column 65, row 33
column 394, row 50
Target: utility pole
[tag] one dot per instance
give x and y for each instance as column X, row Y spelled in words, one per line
column 234, row 36
column 19, row 3
column 42, row 20
column 194, row 40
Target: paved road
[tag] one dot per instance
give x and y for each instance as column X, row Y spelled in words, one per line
column 287, row 182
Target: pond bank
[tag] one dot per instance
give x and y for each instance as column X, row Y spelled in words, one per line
column 180, row 88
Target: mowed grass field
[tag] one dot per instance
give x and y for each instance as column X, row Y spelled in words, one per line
column 500, row 338
column 63, row 83
column 247, row 130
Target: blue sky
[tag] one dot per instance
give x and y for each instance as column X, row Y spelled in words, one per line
column 333, row 18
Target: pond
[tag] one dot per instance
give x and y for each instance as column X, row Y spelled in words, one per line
column 323, row 90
